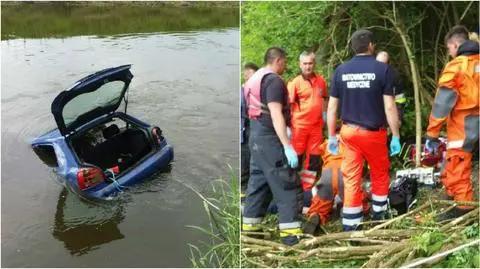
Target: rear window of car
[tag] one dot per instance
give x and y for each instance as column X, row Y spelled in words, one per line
column 108, row 94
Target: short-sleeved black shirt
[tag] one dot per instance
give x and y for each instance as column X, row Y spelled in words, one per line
column 360, row 85
column 273, row 89
column 397, row 82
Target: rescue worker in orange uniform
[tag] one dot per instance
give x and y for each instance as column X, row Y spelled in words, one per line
column 327, row 188
column 307, row 94
column 363, row 87
column 457, row 104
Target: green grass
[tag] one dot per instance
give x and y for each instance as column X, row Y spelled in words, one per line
column 223, row 211
column 63, row 19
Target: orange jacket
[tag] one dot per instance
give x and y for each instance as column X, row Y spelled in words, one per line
column 457, row 92
column 306, row 98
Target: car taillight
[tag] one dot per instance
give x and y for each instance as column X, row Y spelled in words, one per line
column 89, row 177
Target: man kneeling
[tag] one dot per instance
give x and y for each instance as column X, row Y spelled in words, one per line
column 326, row 189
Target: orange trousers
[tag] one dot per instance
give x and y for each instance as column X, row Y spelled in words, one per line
column 456, row 175
column 330, row 184
column 360, row 145
column 306, row 141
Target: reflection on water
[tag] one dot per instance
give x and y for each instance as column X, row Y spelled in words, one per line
column 80, row 233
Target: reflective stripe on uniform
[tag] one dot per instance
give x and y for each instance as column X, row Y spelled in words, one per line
column 305, row 210
column 351, row 222
column 251, row 227
column 308, row 180
column 379, row 202
column 379, row 198
column 252, row 220
column 352, row 210
column 400, row 98
column 314, row 190
column 309, row 172
column 454, row 144
column 289, row 225
column 352, row 216
column 377, row 208
column 290, row 232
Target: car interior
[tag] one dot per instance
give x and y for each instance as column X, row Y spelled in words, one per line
column 109, row 146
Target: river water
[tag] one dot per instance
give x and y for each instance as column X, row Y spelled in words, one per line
column 186, row 83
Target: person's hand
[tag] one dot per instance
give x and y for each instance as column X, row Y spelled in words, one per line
column 432, row 144
column 289, row 133
column 291, row 156
column 395, row 146
column 324, row 116
column 332, row 145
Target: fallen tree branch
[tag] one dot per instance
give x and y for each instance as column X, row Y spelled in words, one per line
column 445, row 210
column 377, row 257
column 246, row 239
column 395, row 258
column 473, row 213
column 410, row 256
column 354, row 235
column 442, row 254
column 256, row 263
column 255, row 233
column 449, row 202
column 342, row 250
column 371, row 241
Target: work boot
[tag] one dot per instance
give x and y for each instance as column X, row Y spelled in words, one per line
column 290, row 236
column 452, row 214
column 290, row 240
column 311, row 225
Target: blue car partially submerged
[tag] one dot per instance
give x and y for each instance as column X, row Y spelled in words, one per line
column 96, row 149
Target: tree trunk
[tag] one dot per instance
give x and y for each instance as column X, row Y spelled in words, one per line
column 416, row 90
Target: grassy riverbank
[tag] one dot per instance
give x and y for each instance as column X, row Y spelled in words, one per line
column 61, row 19
column 223, row 211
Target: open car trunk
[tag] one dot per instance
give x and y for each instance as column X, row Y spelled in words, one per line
column 111, row 146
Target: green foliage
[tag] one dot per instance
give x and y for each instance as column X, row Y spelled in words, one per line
column 224, row 229
column 472, row 231
column 326, row 28
column 292, row 26
column 60, row 19
column 429, row 242
column 465, row 258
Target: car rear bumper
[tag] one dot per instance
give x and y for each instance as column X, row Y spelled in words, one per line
column 140, row 172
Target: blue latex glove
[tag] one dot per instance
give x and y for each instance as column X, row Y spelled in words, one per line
column 324, row 116
column 291, row 156
column 289, row 133
column 332, row 145
column 432, row 144
column 395, row 146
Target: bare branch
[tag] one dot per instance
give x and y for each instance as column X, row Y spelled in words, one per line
column 466, row 9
